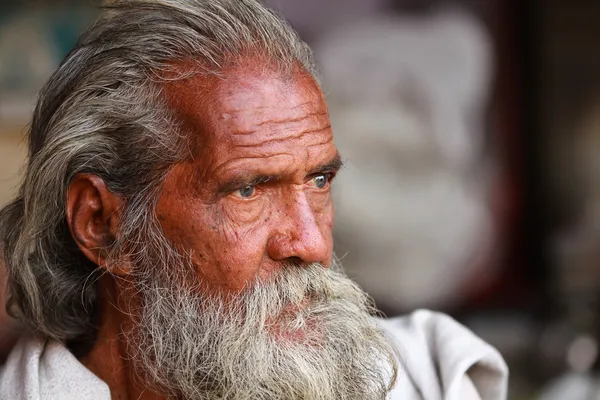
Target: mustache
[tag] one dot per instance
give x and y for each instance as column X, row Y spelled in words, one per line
column 311, row 288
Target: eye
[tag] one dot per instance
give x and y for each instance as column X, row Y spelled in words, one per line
column 321, row 181
column 246, row 192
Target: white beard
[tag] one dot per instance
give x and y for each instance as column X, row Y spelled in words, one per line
column 305, row 334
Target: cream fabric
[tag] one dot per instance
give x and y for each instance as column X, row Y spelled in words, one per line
column 39, row 369
column 443, row 360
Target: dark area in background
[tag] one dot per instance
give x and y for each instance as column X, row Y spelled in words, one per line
column 536, row 221
column 548, row 74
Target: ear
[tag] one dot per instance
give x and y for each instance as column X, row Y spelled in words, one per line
column 93, row 215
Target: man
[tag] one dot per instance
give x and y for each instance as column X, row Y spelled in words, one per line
column 172, row 236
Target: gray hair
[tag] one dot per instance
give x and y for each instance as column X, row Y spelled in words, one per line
column 102, row 112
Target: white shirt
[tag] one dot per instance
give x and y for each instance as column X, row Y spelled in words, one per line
column 441, row 360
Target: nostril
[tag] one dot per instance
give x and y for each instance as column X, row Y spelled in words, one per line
column 295, row 262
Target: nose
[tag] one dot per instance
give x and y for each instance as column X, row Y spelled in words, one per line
column 299, row 235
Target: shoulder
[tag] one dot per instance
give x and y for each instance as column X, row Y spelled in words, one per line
column 20, row 368
column 39, row 368
column 442, row 359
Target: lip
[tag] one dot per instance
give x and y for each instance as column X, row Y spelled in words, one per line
column 288, row 312
column 291, row 310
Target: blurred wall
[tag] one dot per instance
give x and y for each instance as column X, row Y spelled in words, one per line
column 34, row 37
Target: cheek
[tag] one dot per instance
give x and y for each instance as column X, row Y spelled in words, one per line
column 325, row 221
column 243, row 213
column 241, row 225
column 226, row 254
column 237, row 238
column 322, row 202
column 322, row 206
column 324, row 217
column 244, row 223
column 185, row 229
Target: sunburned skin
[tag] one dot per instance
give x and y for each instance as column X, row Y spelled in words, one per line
column 254, row 194
column 257, row 191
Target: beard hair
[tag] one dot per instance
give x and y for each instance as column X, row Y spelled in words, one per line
column 306, row 333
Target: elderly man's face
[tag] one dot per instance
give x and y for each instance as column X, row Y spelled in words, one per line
column 230, row 295
column 257, row 192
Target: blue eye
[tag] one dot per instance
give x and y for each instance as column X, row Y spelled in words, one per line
column 246, row 191
column 321, row 181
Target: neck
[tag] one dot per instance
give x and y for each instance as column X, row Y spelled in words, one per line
column 108, row 358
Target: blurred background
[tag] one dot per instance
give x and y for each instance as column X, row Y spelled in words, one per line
column 470, row 130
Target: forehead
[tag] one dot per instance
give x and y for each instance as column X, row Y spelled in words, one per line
column 254, row 114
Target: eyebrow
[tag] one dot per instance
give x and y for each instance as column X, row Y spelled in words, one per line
column 332, row 166
column 251, row 179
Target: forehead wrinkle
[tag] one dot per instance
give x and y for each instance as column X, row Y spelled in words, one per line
column 310, row 152
column 249, row 101
column 313, row 148
column 297, row 119
column 279, row 128
column 245, row 93
column 272, row 116
column 274, row 129
column 302, row 104
column 322, row 143
column 242, row 109
column 227, row 163
column 270, row 141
